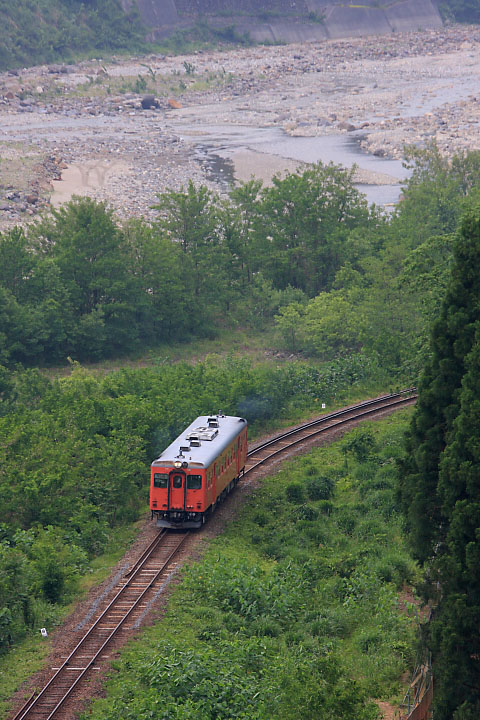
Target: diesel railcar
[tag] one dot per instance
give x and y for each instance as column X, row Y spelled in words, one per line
column 197, row 470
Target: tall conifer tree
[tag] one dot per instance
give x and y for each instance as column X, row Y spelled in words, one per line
column 438, row 405
column 455, row 628
column 439, row 482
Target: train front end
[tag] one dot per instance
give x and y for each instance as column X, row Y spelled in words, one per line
column 177, row 496
column 201, row 465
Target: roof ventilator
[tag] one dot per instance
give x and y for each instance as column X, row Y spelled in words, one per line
column 203, row 433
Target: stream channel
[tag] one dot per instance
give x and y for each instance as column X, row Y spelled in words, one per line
column 216, row 147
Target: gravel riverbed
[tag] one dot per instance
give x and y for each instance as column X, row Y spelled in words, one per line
column 125, row 130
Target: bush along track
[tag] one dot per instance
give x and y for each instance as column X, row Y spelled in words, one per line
column 294, row 611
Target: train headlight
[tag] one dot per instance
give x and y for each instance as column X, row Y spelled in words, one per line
column 177, row 464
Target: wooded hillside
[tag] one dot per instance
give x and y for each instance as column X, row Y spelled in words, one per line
column 32, row 33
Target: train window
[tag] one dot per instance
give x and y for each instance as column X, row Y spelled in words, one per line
column 194, row 482
column 177, row 481
column 160, row 480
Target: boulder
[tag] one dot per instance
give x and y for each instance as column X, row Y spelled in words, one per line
column 149, row 101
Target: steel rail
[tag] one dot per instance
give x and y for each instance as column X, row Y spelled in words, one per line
column 320, row 425
column 146, row 553
column 323, row 424
column 34, row 699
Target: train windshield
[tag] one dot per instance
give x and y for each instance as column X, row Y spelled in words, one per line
column 194, row 482
column 160, row 480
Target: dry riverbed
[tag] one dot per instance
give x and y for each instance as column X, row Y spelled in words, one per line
column 218, row 116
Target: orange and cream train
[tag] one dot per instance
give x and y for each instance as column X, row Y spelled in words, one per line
column 197, row 470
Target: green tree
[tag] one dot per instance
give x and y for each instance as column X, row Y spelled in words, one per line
column 288, row 322
column 438, row 483
column 455, row 628
column 90, row 252
column 190, row 217
column 330, row 325
column 305, row 222
column 467, row 11
column 246, row 199
column 156, row 264
column 438, row 404
column 434, row 196
column 16, row 262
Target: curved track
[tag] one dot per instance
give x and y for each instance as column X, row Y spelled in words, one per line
column 281, row 444
column 146, row 577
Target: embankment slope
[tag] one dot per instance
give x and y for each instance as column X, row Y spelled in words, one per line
column 290, row 20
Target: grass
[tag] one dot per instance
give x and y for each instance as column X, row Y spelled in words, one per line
column 23, row 661
column 100, row 567
column 254, row 345
column 147, row 81
column 240, row 341
column 28, row 656
column 298, row 600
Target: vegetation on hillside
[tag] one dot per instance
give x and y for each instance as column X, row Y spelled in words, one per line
column 75, row 456
column 440, row 487
column 467, row 11
column 337, row 276
column 46, row 31
column 295, row 611
column 346, row 285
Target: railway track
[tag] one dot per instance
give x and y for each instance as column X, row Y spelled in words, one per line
column 142, row 582
column 274, row 448
column 122, row 613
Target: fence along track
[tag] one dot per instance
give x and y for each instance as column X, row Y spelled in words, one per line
column 143, row 576
column 282, row 443
column 127, row 606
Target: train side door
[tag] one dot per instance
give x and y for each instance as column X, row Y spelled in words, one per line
column 177, row 489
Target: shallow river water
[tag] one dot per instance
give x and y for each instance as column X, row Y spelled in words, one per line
column 217, row 146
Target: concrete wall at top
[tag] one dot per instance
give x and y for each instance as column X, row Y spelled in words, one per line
column 291, row 20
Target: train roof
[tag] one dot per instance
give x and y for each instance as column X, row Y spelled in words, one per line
column 202, row 442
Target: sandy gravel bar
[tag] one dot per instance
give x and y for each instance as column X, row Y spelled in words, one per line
column 82, row 129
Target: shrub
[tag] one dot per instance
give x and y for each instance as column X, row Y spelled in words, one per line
column 325, row 507
column 295, row 493
column 320, row 488
column 261, row 518
column 361, row 444
column 308, row 512
column 265, row 626
column 369, row 641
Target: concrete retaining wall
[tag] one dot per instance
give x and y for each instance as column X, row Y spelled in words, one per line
column 291, row 20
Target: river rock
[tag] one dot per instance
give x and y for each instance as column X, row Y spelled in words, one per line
column 149, row 101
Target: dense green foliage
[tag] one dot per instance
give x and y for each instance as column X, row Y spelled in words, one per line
column 344, row 283
column 75, row 455
column 51, row 30
column 79, row 285
column 294, row 612
column 462, row 10
column 439, row 481
column 337, row 277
